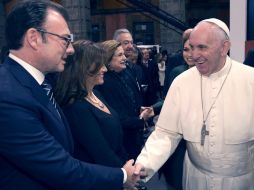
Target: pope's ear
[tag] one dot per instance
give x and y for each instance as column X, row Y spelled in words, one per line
column 32, row 38
column 225, row 47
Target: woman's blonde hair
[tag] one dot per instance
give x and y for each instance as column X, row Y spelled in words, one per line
column 110, row 47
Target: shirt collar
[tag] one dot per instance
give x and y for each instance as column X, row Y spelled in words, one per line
column 36, row 74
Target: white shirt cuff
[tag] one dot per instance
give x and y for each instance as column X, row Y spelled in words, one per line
column 124, row 175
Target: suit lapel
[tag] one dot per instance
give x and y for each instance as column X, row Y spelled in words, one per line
column 29, row 82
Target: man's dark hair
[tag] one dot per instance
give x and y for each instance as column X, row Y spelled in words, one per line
column 25, row 15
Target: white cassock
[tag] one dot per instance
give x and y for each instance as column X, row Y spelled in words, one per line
column 226, row 161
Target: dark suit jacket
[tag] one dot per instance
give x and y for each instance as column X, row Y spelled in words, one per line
column 97, row 135
column 121, row 92
column 151, row 78
column 36, row 145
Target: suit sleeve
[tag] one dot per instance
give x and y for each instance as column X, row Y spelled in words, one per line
column 87, row 132
column 30, row 148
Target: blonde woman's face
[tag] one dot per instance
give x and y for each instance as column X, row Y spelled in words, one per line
column 187, row 54
column 117, row 63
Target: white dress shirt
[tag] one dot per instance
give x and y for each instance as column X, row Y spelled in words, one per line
column 36, row 74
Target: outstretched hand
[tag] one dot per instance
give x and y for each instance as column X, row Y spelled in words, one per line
column 134, row 175
column 132, row 180
column 140, row 171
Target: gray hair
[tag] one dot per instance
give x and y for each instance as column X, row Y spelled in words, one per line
column 120, row 31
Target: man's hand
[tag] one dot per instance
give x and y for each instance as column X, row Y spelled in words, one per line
column 132, row 180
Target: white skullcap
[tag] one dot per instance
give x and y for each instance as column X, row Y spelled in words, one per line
column 219, row 23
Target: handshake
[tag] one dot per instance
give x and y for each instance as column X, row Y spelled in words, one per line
column 134, row 175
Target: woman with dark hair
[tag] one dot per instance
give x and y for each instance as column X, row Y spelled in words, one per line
column 95, row 125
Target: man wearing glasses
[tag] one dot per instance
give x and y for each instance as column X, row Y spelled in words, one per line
column 67, row 39
column 35, row 141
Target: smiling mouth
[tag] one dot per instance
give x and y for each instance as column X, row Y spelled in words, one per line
column 199, row 62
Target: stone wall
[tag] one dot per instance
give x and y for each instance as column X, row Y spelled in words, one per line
column 170, row 39
column 80, row 19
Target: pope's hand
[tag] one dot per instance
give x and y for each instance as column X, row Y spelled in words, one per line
column 140, row 171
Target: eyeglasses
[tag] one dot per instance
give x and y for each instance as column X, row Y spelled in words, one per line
column 67, row 40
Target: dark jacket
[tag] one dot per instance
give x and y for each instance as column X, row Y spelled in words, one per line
column 151, row 79
column 36, row 144
column 97, row 134
column 122, row 93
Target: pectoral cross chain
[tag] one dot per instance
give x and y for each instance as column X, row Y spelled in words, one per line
column 204, row 132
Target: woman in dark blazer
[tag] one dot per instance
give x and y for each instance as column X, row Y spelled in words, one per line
column 122, row 91
column 94, row 124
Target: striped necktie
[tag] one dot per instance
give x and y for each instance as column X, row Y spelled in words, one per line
column 48, row 89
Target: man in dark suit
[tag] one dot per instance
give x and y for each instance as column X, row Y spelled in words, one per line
column 151, row 78
column 35, row 141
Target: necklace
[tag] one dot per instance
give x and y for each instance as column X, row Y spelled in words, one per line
column 94, row 100
column 204, row 132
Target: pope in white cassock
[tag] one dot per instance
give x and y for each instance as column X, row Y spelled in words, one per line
column 211, row 106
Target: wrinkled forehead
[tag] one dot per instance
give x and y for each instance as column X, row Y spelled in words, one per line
column 203, row 30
